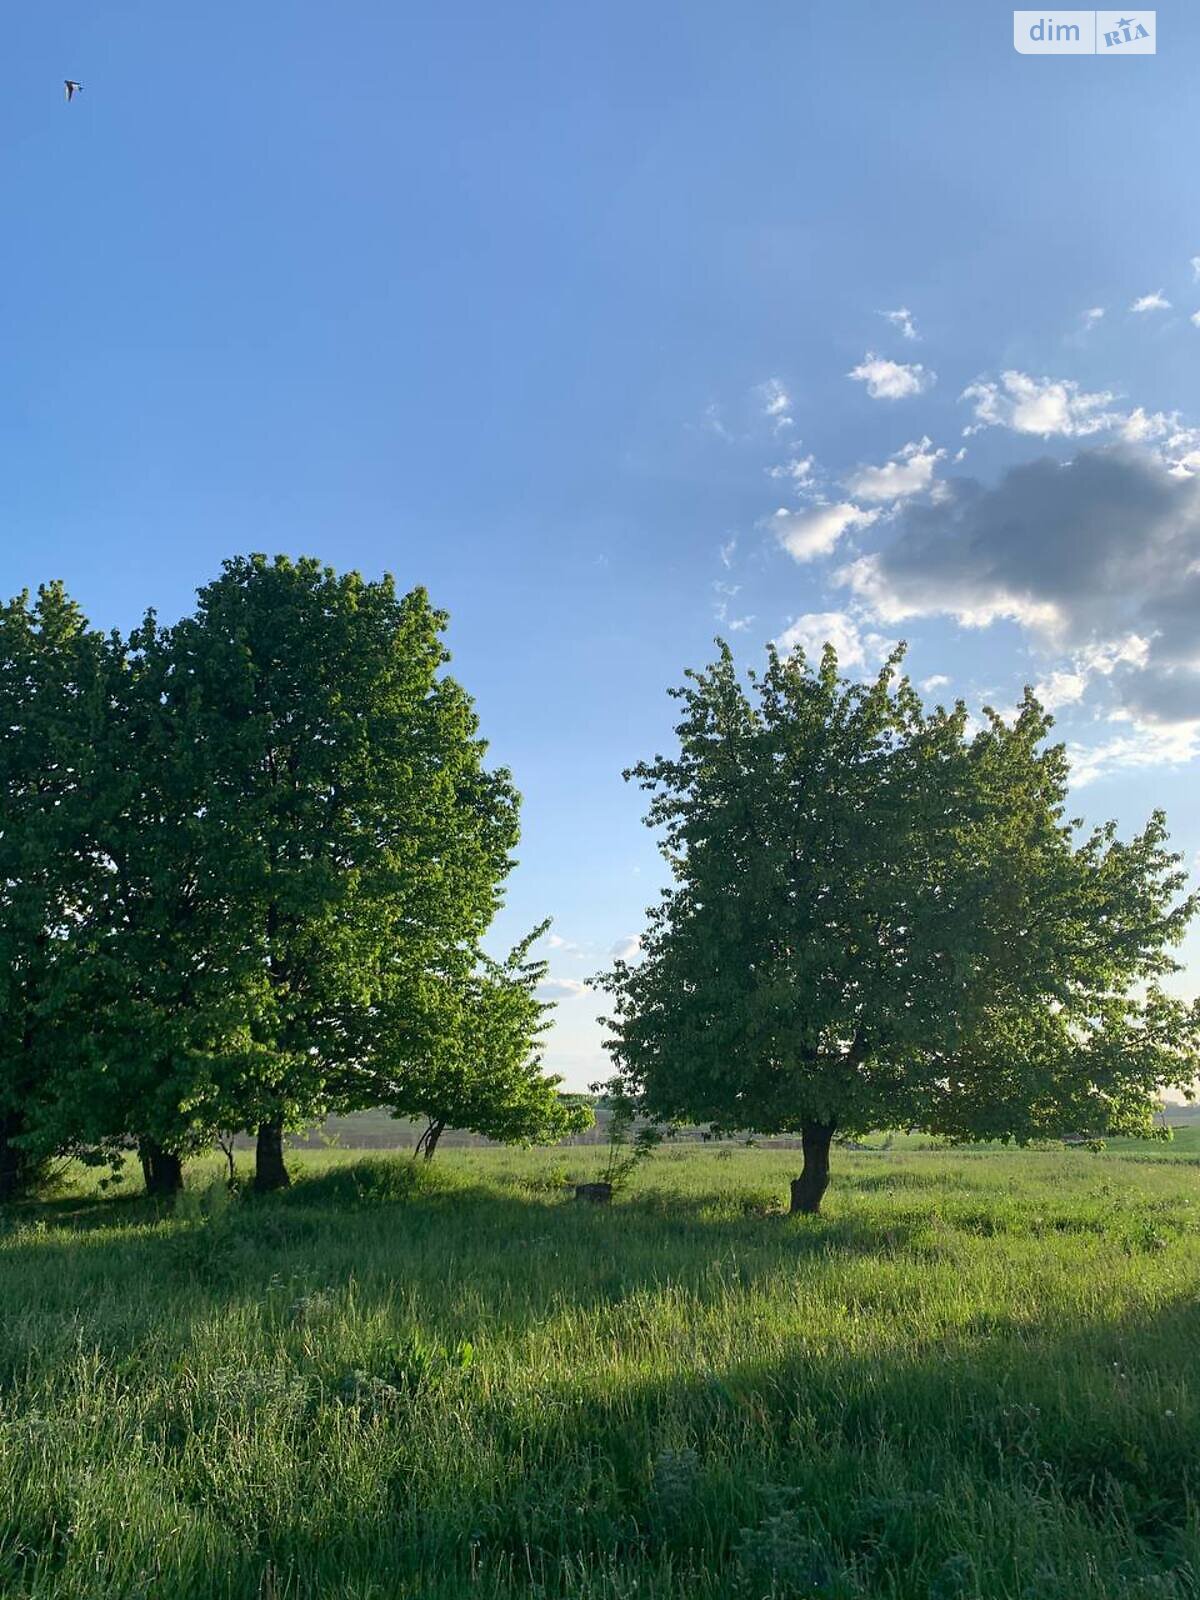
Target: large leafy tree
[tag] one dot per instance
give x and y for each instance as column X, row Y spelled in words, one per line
column 879, row 919
column 163, row 978
column 245, row 860
column 349, row 823
column 54, row 675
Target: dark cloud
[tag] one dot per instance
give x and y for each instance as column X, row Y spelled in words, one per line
column 1084, row 554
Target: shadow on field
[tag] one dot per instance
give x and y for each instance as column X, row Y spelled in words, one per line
column 389, row 1226
column 84, row 1212
column 994, row 1443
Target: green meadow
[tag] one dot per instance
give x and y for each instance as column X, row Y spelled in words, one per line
column 971, row 1377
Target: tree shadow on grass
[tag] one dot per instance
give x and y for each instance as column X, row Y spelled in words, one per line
column 950, row 1469
column 452, row 1264
column 119, row 1209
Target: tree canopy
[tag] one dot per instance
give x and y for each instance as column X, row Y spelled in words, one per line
column 881, row 918
column 53, row 709
column 240, row 854
column 354, row 826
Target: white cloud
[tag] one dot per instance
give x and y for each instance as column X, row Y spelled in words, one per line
column 902, row 319
column 1132, row 651
column 562, row 989
column 729, row 591
column 1156, row 301
column 727, row 553
column 799, row 470
column 1176, row 445
column 776, row 403
column 1195, row 319
column 815, row 629
column 910, row 471
column 1196, row 269
column 1148, row 745
column 628, row 948
column 1042, row 406
column 869, row 580
column 1062, row 688
column 805, row 535
column 891, row 380
column 1067, row 686
column 732, row 624
column 1092, row 316
column 938, row 680
column 1141, row 426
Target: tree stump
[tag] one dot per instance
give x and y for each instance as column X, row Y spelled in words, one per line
column 600, row 1194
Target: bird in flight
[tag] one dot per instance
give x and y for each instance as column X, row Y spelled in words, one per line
column 72, row 88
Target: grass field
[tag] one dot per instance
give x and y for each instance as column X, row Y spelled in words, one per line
column 971, row 1378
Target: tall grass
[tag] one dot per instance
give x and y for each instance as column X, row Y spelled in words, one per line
column 972, row 1377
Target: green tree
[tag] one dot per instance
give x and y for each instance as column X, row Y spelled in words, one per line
column 53, row 709
column 165, row 978
column 466, row 1055
column 879, row 920
column 349, row 824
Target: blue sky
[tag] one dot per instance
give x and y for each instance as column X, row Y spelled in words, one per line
column 557, row 310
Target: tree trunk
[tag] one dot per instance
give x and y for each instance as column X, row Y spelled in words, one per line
column 428, row 1141
column 269, row 1170
column 228, row 1148
column 14, row 1163
column 162, row 1170
column 810, row 1186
